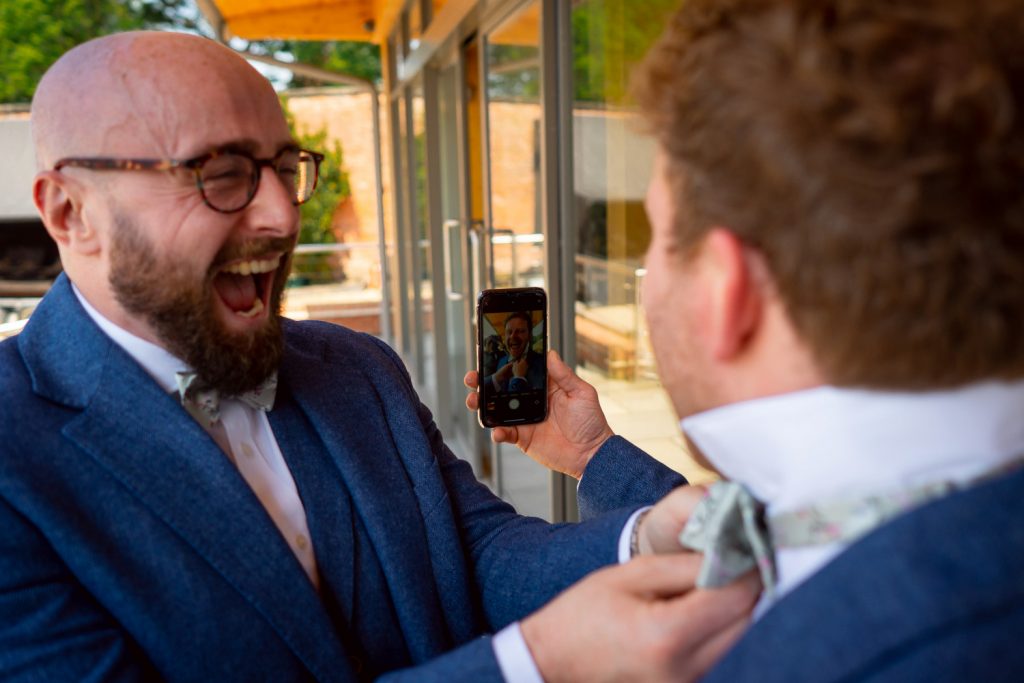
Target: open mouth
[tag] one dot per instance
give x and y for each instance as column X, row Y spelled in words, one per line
column 244, row 286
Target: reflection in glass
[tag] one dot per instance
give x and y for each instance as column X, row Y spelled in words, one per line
column 611, row 167
column 514, row 113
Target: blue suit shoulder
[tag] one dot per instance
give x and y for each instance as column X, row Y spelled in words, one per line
column 338, row 344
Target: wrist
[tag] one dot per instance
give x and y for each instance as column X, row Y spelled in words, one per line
column 587, row 453
column 638, row 544
column 532, row 630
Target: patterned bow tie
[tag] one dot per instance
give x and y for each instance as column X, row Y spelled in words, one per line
column 729, row 527
column 203, row 402
column 732, row 530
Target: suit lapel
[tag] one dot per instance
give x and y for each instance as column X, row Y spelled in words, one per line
column 348, row 415
column 328, row 507
column 148, row 443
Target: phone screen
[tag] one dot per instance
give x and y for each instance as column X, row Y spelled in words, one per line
column 511, row 350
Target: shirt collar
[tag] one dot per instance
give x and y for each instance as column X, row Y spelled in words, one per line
column 796, row 449
column 161, row 365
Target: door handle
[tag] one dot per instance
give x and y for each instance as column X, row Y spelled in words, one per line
column 480, row 276
column 449, row 290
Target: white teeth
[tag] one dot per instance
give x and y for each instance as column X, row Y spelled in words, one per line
column 257, row 307
column 253, row 267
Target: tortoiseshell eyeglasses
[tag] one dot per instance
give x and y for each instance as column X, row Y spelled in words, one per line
column 227, row 179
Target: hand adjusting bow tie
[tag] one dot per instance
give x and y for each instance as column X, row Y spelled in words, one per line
column 203, row 402
column 728, row 525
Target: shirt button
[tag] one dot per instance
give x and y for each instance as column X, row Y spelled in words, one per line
column 301, row 541
column 246, row 450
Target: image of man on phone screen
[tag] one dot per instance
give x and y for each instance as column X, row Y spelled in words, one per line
column 520, row 368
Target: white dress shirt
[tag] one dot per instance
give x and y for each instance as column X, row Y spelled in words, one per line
column 827, row 443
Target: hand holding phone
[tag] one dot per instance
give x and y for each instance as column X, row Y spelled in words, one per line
column 511, row 348
column 573, row 431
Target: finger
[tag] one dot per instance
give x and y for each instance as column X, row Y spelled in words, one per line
column 473, row 401
column 471, row 380
column 504, row 435
column 717, row 608
column 660, row 576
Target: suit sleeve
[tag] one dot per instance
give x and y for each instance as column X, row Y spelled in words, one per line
column 474, row 662
column 50, row 627
column 621, row 475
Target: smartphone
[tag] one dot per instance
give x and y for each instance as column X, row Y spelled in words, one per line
column 512, row 345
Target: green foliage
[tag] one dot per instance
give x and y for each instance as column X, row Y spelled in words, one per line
column 354, row 59
column 34, row 33
column 514, row 73
column 344, row 57
column 608, row 39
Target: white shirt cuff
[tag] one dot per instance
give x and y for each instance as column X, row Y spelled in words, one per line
column 514, row 658
column 627, row 533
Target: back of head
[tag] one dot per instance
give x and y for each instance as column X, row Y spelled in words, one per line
column 873, row 152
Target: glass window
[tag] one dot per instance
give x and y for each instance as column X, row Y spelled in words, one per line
column 611, row 166
column 513, row 115
column 513, row 189
column 421, row 249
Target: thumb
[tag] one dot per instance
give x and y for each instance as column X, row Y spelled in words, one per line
column 562, row 375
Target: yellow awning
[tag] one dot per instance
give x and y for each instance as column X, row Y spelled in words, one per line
column 359, row 20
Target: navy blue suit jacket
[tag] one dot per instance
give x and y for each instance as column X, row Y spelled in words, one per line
column 935, row 595
column 132, row 549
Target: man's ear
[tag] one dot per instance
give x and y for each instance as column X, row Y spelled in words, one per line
column 58, row 199
column 734, row 293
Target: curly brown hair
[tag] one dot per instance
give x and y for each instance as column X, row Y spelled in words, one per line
column 873, row 152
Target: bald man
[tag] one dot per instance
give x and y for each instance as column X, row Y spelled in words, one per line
column 194, row 489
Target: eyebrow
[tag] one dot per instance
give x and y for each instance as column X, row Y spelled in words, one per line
column 246, row 145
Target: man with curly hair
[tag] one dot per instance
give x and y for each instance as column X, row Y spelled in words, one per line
column 835, row 293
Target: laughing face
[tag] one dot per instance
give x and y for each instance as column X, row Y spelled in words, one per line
column 517, row 336
column 192, row 312
column 203, row 284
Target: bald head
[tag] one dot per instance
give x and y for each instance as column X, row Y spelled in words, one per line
column 138, row 93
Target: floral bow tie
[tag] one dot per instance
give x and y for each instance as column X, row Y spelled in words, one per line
column 732, row 530
column 203, row 402
column 729, row 527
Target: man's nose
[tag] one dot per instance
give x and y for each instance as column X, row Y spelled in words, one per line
column 273, row 211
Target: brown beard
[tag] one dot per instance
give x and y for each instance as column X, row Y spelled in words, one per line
column 181, row 310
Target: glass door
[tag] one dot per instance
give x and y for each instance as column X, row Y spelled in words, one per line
column 512, row 236
column 458, row 128
column 420, row 290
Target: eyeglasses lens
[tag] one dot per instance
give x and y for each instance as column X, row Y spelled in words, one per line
column 229, row 181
